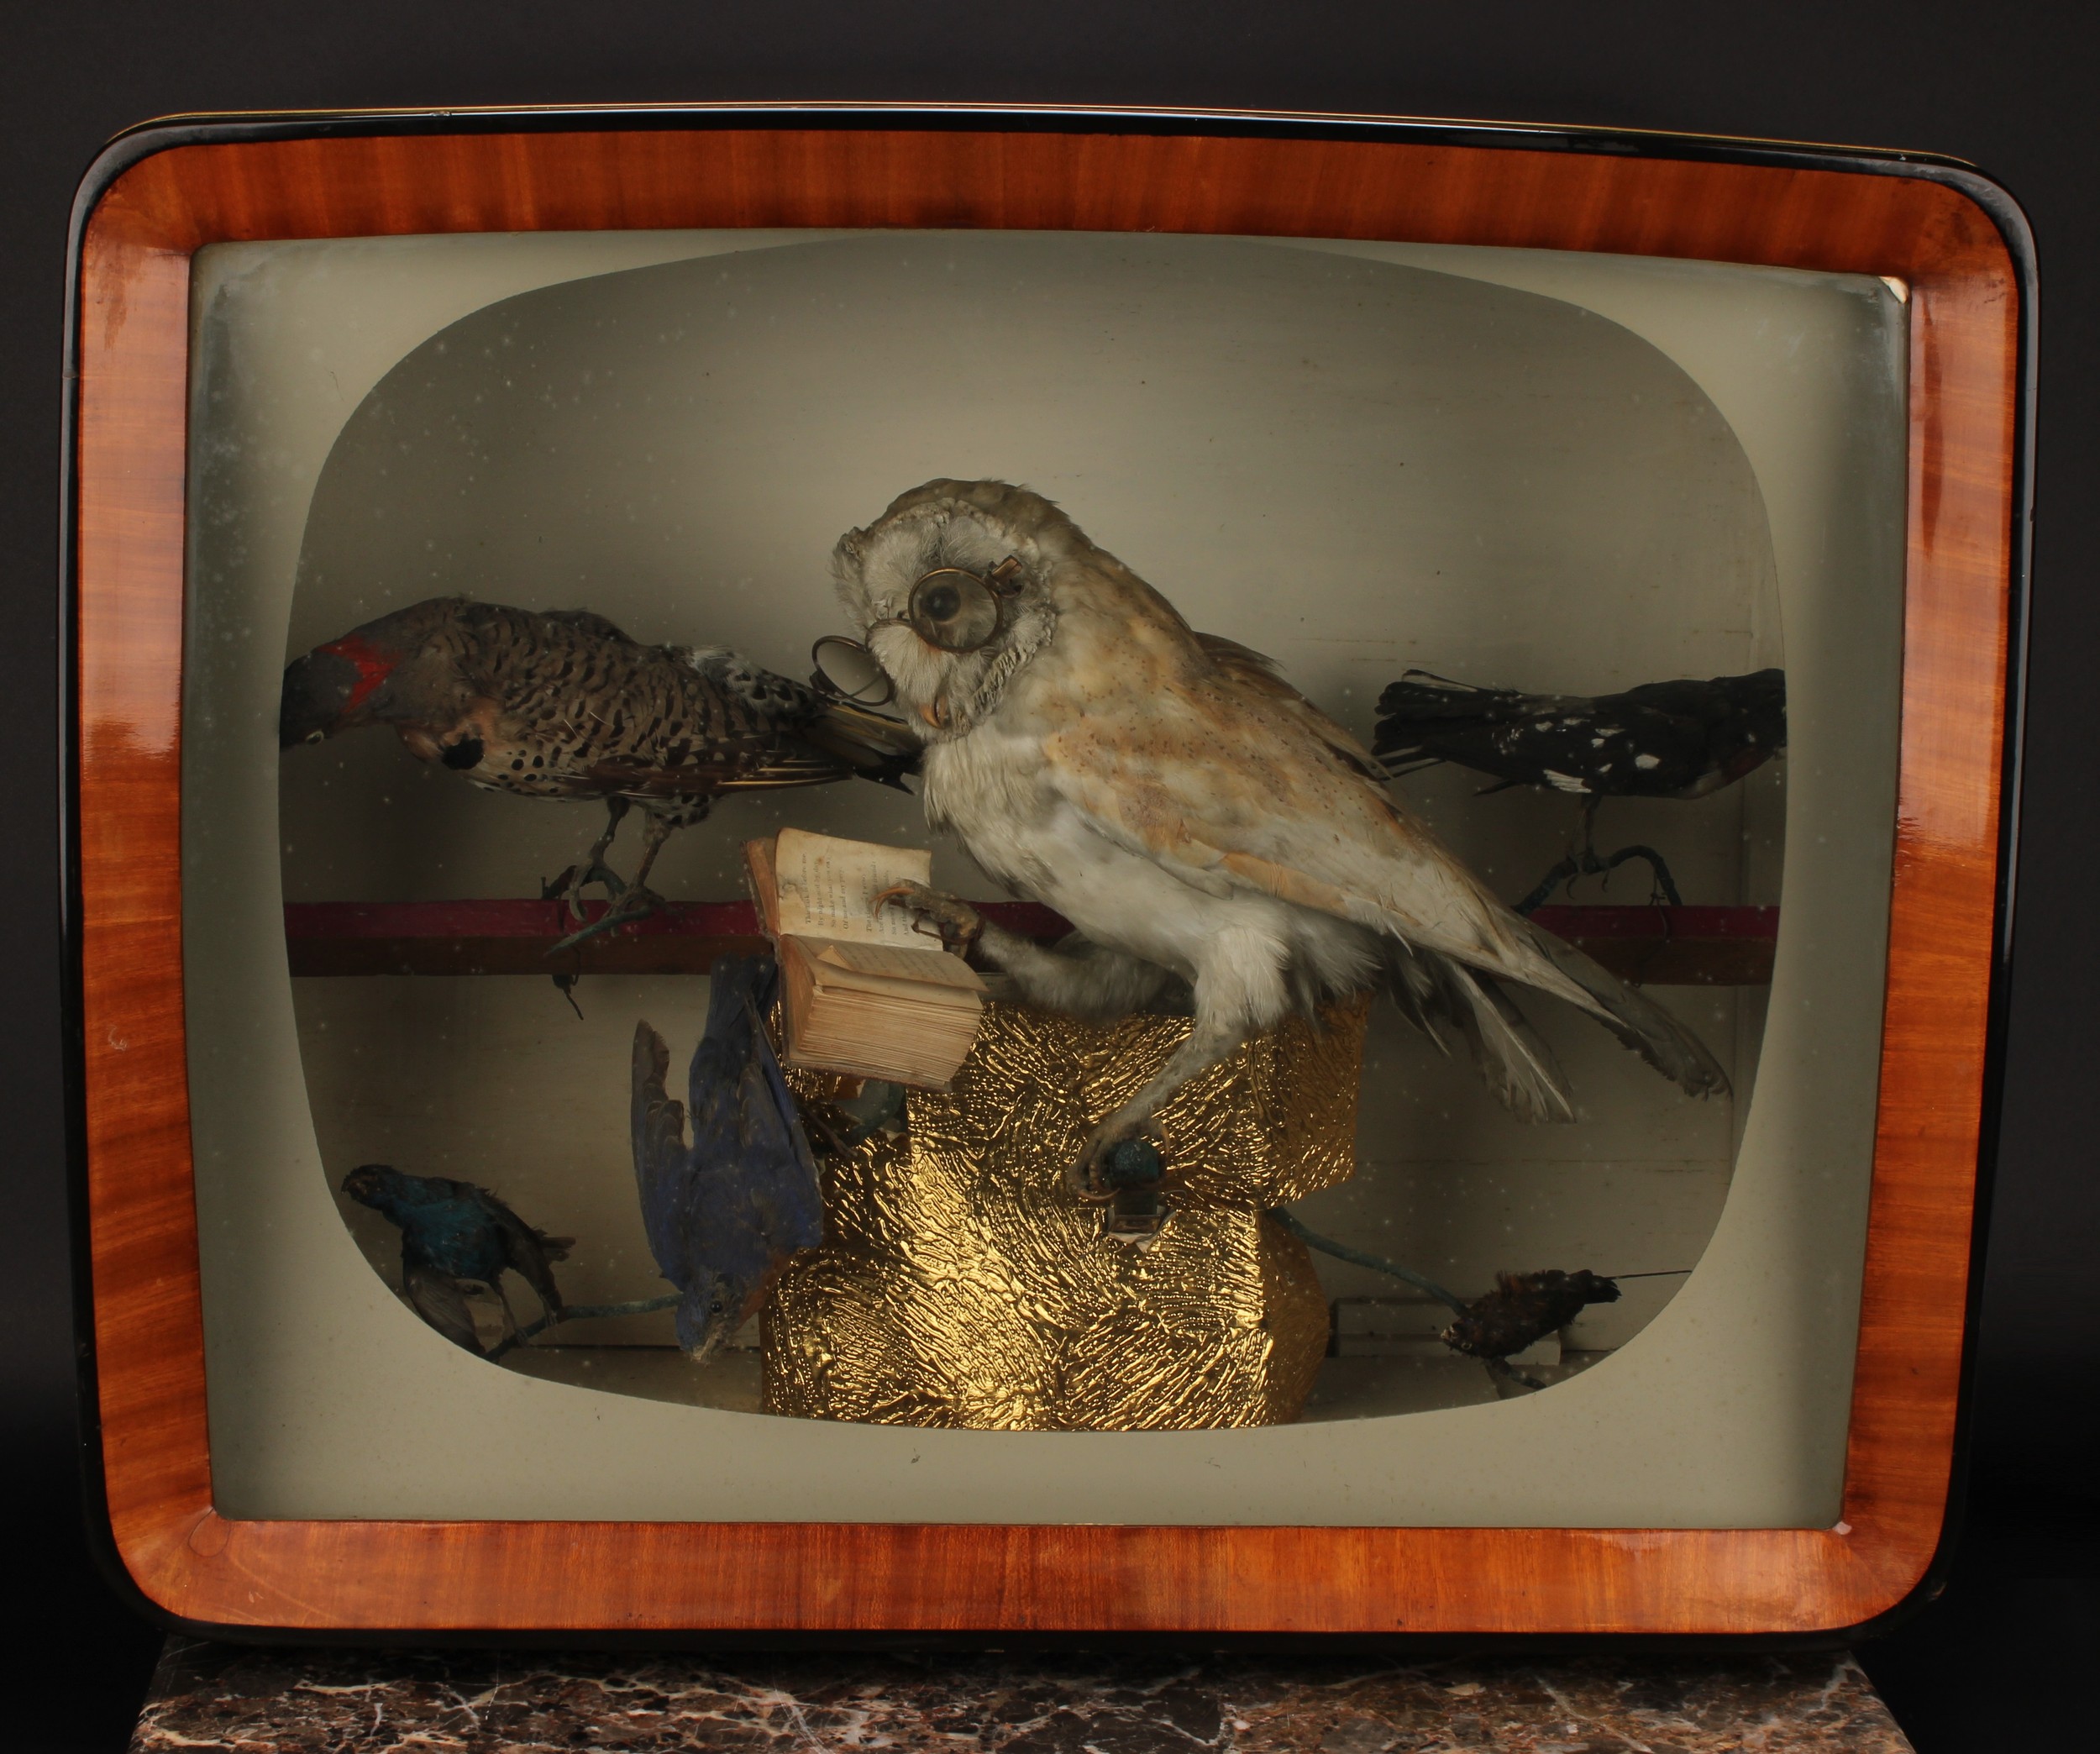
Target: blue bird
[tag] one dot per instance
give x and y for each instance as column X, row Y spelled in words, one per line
column 452, row 1231
column 725, row 1213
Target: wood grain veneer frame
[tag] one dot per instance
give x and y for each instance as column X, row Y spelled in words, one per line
column 1957, row 243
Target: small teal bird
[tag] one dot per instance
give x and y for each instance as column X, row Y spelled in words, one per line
column 727, row 1212
column 452, row 1231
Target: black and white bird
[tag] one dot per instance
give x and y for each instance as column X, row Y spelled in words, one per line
column 1684, row 739
column 1660, row 740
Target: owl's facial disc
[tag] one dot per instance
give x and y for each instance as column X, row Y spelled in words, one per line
column 948, row 608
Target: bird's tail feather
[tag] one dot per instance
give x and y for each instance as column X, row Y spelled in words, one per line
column 1450, row 1003
column 1420, row 704
column 1419, row 695
column 657, row 1121
column 873, row 744
column 1637, row 1020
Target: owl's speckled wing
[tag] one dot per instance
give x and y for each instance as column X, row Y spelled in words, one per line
column 1224, row 775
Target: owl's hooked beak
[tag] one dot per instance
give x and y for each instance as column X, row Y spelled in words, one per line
column 937, row 714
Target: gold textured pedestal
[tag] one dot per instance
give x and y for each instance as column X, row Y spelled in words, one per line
column 961, row 1284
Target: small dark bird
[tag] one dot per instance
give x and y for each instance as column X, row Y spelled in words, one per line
column 452, row 1231
column 725, row 1213
column 1660, row 740
column 1525, row 1307
column 564, row 705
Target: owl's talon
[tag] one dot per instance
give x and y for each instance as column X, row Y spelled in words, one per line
column 1117, row 1157
column 955, row 922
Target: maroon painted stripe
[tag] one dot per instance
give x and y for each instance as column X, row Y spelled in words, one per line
column 1660, row 922
column 306, row 920
column 738, row 919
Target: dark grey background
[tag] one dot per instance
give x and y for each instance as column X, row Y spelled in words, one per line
column 1992, row 1665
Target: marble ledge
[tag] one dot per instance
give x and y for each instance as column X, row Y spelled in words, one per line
column 488, row 1702
column 256, row 1701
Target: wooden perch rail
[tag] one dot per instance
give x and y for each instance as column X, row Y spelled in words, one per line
column 1657, row 946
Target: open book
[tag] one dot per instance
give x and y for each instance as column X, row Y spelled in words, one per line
column 862, row 992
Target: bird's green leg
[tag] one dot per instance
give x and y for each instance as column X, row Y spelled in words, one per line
column 1579, row 860
column 640, row 899
column 1588, row 857
column 633, row 900
column 594, row 868
column 1662, row 888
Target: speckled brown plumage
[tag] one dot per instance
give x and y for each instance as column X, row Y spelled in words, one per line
column 563, row 704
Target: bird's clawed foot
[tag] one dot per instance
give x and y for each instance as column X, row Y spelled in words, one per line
column 955, row 922
column 567, row 887
column 1118, row 1155
column 1662, row 890
column 1125, row 1168
column 630, row 902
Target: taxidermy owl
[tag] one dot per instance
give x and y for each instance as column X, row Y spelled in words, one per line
column 1195, row 816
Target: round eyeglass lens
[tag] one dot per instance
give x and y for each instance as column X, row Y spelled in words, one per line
column 954, row 610
column 846, row 668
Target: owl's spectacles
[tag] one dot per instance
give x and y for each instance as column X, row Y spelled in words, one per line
column 846, row 670
column 949, row 608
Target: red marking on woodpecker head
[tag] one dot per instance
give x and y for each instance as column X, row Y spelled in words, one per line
column 373, row 666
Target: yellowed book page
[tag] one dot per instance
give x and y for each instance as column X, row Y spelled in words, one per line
column 936, row 967
column 758, row 864
column 920, row 1076
column 827, row 887
column 907, row 997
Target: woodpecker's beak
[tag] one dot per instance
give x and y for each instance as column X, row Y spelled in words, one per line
column 318, row 689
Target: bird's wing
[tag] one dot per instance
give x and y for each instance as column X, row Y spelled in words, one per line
column 588, row 621
column 1525, row 740
column 765, row 694
column 1231, row 789
column 1421, row 694
column 796, row 1199
column 874, row 745
column 657, row 1129
column 1261, row 675
column 528, row 1252
column 750, row 1200
column 789, row 764
column 441, row 1303
column 764, row 1170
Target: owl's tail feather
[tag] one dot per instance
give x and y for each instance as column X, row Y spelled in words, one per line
column 1637, row 1020
column 1450, row 1003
